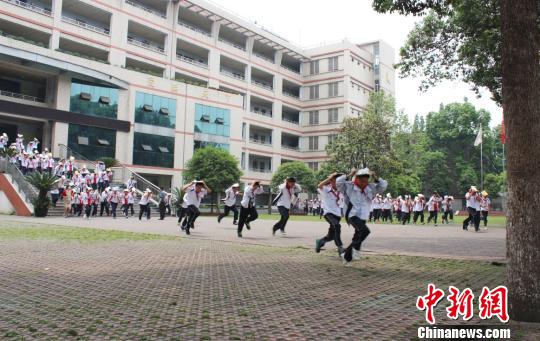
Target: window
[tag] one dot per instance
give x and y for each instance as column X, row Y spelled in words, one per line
column 313, row 117
column 314, row 166
column 331, row 138
column 243, row 131
column 212, row 120
column 82, row 140
column 153, row 150
column 314, row 67
column 243, row 160
column 155, row 110
column 313, row 143
column 93, row 99
column 333, row 89
column 377, row 86
column 333, row 116
column 333, row 64
column 314, row 92
column 91, row 142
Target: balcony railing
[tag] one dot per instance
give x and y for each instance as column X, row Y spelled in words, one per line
column 262, row 84
column 21, row 96
column 82, row 24
column 258, row 112
column 144, row 45
column 290, row 94
column 258, row 55
column 290, row 68
column 259, row 170
column 233, row 74
column 191, row 60
column 230, row 43
column 193, row 28
column 297, row 122
column 31, row 7
column 259, row 141
column 284, row 146
column 146, row 9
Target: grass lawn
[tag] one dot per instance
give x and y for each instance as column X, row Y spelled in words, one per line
column 495, row 221
column 20, row 231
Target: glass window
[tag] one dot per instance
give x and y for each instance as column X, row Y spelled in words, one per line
column 153, row 150
column 333, row 116
column 333, row 64
column 202, row 144
column 93, row 99
column 313, row 117
column 314, row 92
column 155, row 110
column 92, row 142
column 314, row 67
column 333, row 89
column 212, row 120
column 313, row 143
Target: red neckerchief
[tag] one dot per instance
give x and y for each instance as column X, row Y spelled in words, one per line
column 335, row 193
column 289, row 190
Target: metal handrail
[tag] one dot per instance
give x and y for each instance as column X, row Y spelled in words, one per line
column 193, row 28
column 268, row 59
column 21, row 96
column 144, row 45
column 29, row 191
column 85, row 25
column 262, row 84
column 232, row 74
column 144, row 8
column 289, row 94
column 290, row 121
column 230, row 43
column 31, row 7
column 290, row 69
column 122, row 172
column 191, row 60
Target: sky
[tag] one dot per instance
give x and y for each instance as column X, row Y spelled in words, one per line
column 310, row 22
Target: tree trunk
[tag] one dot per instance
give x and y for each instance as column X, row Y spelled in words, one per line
column 520, row 72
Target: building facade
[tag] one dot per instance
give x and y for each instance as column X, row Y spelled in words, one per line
column 147, row 82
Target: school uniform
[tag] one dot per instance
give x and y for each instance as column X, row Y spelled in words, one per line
column 284, row 200
column 248, row 209
column 331, row 202
column 104, row 203
column 230, row 204
column 418, row 210
column 193, row 201
column 114, row 199
column 484, row 210
column 360, row 201
column 433, row 209
column 387, row 210
column 86, row 198
column 144, row 206
column 405, row 211
column 473, row 207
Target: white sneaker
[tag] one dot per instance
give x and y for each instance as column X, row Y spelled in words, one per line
column 283, row 233
column 346, row 264
column 355, row 254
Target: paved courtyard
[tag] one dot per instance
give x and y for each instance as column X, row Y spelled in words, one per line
column 202, row 289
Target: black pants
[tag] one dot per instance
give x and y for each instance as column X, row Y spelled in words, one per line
column 485, row 217
column 433, row 216
column 247, row 215
column 87, row 210
column 387, row 215
column 114, row 205
column 418, row 214
column 125, row 208
column 376, row 214
column 193, row 213
column 361, row 231
column 168, row 207
column 474, row 216
column 405, row 217
column 180, row 213
column 131, row 209
column 162, row 210
column 144, row 209
column 104, row 206
column 280, row 225
column 228, row 209
column 334, row 231
column 448, row 214
column 94, row 209
column 79, row 209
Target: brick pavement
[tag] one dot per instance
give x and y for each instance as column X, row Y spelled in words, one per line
column 194, row 289
column 447, row 241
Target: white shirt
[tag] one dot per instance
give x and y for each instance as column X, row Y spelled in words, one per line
column 432, row 203
column 230, row 196
column 387, row 204
column 249, row 196
column 287, row 195
column 360, row 199
column 192, row 197
column 484, row 205
column 472, row 201
column 405, row 206
column 104, row 196
column 144, row 199
column 418, row 206
column 331, row 200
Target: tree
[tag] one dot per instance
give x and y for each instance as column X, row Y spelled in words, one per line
column 216, row 166
column 520, row 72
column 365, row 141
column 304, row 175
column 43, row 182
column 456, row 40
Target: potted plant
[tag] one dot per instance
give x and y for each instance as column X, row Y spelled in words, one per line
column 44, row 183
